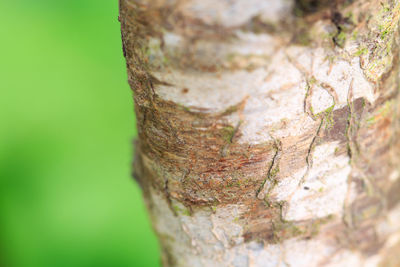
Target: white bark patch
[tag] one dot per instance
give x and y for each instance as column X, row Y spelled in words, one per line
column 155, row 55
column 200, row 228
column 259, row 255
column 271, row 98
column 394, row 176
column 245, row 50
column 325, row 186
column 275, row 90
column 288, row 185
column 278, row 100
column 213, row 238
column 294, row 127
column 339, row 74
column 362, row 88
column 172, row 41
column 169, row 227
column 231, row 13
column 302, row 57
column 254, row 44
column 391, row 224
column 211, row 91
column 301, row 252
column 346, row 259
column 321, row 100
column 225, row 225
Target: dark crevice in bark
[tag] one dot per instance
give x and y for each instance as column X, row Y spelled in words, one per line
column 272, row 172
column 305, row 7
column 168, row 197
column 309, row 155
column 307, row 100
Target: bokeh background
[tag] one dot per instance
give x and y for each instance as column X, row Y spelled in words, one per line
column 66, row 130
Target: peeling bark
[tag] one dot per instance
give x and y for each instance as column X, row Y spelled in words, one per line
column 268, row 129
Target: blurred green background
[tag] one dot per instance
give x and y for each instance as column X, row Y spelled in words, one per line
column 67, row 124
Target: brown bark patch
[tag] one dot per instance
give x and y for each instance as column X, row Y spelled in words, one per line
column 264, row 222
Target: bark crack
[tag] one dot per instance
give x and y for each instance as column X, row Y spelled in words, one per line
column 307, row 99
column 168, row 197
column 347, row 217
column 311, row 81
column 309, row 159
column 273, row 170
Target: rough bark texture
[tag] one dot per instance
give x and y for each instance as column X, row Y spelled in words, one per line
column 268, row 129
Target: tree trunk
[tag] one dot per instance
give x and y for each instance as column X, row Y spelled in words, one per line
column 268, row 129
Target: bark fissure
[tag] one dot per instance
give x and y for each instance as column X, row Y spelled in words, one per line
column 309, row 160
column 273, row 170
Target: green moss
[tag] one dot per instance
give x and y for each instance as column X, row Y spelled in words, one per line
column 230, row 57
column 354, row 35
column 295, row 231
column 274, row 172
column 312, row 111
column 315, row 228
column 329, row 110
column 316, row 225
column 384, row 25
column 385, row 7
column 165, row 60
column 184, row 108
column 303, row 38
column 371, row 121
column 370, row 212
column 361, row 51
column 282, row 229
column 267, row 203
column 228, row 133
column 183, row 211
column 312, row 80
column 327, row 114
column 340, row 39
column 384, row 33
column 272, row 178
column 233, row 183
column 351, row 18
column 230, row 110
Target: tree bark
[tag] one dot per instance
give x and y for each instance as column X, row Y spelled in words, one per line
column 268, row 129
